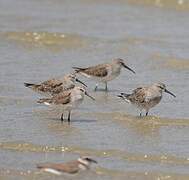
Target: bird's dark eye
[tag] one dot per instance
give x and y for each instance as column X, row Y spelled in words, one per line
column 82, row 90
column 160, row 87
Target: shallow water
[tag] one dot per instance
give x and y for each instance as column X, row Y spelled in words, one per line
column 44, row 39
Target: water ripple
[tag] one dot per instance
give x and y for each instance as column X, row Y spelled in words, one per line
column 47, row 39
column 172, row 62
column 113, row 153
column 175, row 4
column 98, row 173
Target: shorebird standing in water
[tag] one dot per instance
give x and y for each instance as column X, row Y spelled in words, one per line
column 146, row 97
column 103, row 72
column 55, row 85
column 68, row 100
column 72, row 167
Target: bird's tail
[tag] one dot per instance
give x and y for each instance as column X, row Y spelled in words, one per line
column 78, row 69
column 125, row 97
column 30, row 85
column 46, row 101
column 43, row 165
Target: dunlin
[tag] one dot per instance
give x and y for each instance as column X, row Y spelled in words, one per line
column 55, row 85
column 146, row 97
column 103, row 72
column 67, row 100
column 82, row 163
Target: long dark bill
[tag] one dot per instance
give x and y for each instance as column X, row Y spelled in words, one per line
column 92, row 160
column 80, row 82
column 125, row 66
column 89, row 96
column 169, row 93
column 120, row 96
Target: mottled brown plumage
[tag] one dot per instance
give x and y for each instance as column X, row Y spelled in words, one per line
column 67, row 100
column 61, row 98
column 48, row 85
column 55, row 86
column 138, row 95
column 60, row 89
column 146, row 97
column 103, row 72
column 98, row 71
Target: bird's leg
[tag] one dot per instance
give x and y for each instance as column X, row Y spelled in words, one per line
column 146, row 113
column 62, row 117
column 96, row 87
column 140, row 114
column 106, row 86
column 69, row 115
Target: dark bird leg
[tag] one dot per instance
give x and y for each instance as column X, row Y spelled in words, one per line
column 96, row 87
column 62, row 117
column 146, row 113
column 140, row 114
column 106, row 86
column 69, row 115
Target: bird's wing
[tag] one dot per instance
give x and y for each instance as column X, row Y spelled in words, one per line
column 52, row 83
column 98, row 71
column 138, row 95
column 70, row 167
column 137, row 89
column 48, row 85
column 62, row 98
column 60, row 89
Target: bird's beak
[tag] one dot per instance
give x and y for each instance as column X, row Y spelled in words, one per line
column 89, row 96
column 92, row 160
column 120, row 96
column 80, row 82
column 169, row 93
column 125, row 66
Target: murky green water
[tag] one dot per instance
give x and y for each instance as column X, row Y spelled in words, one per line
column 44, row 39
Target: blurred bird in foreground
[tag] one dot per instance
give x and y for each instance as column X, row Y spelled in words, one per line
column 82, row 163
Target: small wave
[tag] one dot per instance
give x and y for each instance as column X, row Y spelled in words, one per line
column 115, row 174
column 173, row 62
column 113, row 153
column 96, row 173
column 177, row 63
column 154, row 120
column 175, row 4
column 47, row 39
